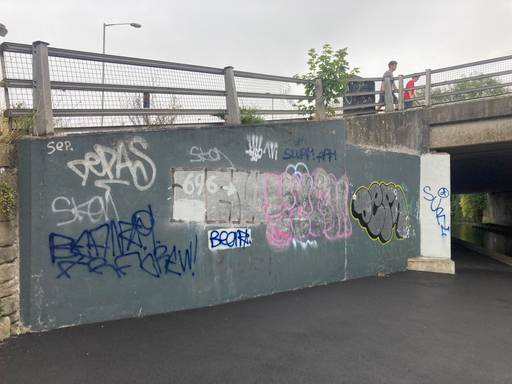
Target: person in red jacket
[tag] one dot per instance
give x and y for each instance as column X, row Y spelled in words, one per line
column 410, row 92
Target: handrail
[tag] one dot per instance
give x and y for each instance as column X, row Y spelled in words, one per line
column 472, row 64
column 261, row 76
column 22, row 112
column 469, row 78
column 227, row 76
column 72, row 86
column 472, row 90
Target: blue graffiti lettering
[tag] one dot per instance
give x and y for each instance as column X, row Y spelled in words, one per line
column 119, row 245
column 230, row 238
column 309, row 154
column 326, row 154
column 435, row 207
column 304, row 154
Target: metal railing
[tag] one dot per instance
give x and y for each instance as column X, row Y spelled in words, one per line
column 484, row 78
column 66, row 90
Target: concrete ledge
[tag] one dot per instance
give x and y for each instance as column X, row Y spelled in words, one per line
column 431, row 264
column 485, row 108
column 463, row 134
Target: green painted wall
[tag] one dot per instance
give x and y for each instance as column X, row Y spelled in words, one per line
column 116, row 225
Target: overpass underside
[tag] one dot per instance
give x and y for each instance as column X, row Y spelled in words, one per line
column 478, row 137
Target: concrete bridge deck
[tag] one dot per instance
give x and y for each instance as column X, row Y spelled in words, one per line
column 409, row 327
column 476, row 133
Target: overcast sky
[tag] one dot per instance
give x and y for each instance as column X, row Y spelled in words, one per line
column 272, row 36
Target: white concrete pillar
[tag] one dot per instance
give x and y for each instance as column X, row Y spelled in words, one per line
column 435, row 224
column 435, row 210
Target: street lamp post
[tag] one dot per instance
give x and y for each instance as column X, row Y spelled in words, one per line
column 105, row 25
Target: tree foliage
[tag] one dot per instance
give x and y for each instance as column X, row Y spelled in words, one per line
column 456, row 210
column 332, row 67
column 473, row 206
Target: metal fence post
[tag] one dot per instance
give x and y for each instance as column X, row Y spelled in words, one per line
column 42, row 99
column 320, row 112
column 6, row 89
column 428, row 88
column 233, row 109
column 400, row 93
column 146, row 100
column 388, row 95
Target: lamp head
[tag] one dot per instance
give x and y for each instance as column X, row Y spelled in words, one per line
column 3, row 30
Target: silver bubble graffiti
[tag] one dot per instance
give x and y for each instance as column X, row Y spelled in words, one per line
column 381, row 210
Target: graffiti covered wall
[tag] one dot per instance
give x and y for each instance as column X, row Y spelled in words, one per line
column 118, row 225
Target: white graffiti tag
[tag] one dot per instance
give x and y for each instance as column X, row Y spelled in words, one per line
column 211, row 155
column 257, row 149
column 96, row 209
column 124, row 164
column 120, row 165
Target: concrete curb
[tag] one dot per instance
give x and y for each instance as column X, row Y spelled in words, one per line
column 431, row 264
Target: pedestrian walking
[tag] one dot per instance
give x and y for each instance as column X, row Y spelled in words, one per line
column 389, row 74
column 410, row 92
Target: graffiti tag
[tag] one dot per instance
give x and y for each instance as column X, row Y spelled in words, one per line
column 119, row 247
column 301, row 206
column 309, row 154
column 211, row 155
column 228, row 238
column 381, row 209
column 435, row 206
column 257, row 149
column 124, row 164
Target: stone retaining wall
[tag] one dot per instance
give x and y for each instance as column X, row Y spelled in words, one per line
column 9, row 265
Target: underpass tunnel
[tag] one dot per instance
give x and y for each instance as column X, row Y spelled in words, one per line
column 481, row 178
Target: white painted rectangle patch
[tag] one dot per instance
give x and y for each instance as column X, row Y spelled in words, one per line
column 189, row 210
column 229, row 238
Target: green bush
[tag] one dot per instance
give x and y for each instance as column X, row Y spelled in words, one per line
column 7, row 199
column 248, row 116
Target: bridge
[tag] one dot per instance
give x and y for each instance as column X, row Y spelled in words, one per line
column 223, row 210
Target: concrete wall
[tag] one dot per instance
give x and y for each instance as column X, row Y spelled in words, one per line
column 405, row 131
column 435, row 205
column 118, row 225
column 500, row 208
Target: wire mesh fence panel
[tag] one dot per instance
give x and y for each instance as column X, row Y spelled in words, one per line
column 91, row 90
column 18, row 65
column 268, row 104
column 245, row 84
column 277, row 117
column 171, row 101
column 475, row 81
column 94, row 72
column 20, row 98
column 71, row 99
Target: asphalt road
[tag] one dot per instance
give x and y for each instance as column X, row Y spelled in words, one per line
column 409, row 327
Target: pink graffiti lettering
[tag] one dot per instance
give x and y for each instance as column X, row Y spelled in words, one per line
column 300, row 206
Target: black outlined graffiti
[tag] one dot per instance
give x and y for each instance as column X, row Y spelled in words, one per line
column 381, row 209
